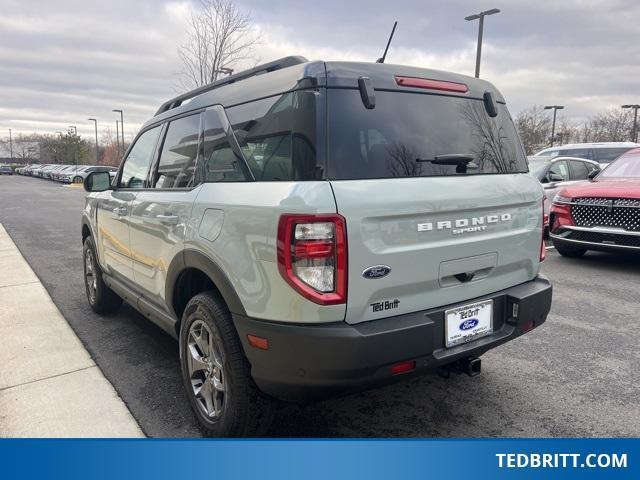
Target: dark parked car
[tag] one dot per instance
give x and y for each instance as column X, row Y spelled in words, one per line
column 6, row 170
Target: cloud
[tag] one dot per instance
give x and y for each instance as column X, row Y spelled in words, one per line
column 63, row 62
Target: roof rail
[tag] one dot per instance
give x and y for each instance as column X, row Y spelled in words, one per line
column 252, row 72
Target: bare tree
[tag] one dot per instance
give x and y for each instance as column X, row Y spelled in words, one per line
column 612, row 126
column 219, row 37
column 534, row 127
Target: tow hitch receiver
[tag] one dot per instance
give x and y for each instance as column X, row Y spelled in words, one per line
column 472, row 366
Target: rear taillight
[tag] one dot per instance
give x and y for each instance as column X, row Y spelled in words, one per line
column 312, row 256
column 543, row 247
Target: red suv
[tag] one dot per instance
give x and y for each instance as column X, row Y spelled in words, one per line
column 601, row 215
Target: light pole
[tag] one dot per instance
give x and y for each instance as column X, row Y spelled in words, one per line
column 59, row 147
column 553, row 125
column 10, row 146
column 121, row 126
column 480, row 16
column 634, row 132
column 118, row 138
column 75, row 152
column 95, row 124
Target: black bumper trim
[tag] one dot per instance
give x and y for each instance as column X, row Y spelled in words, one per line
column 308, row 362
column 557, row 239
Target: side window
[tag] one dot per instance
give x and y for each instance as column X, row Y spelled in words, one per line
column 560, row 168
column 220, row 162
column 578, row 152
column 177, row 165
column 136, row 165
column 579, row 170
column 278, row 136
column 606, row 155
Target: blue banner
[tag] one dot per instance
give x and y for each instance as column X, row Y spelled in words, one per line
column 320, row 459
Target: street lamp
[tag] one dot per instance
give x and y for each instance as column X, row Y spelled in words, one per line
column 121, row 126
column 480, row 16
column 553, row 125
column 634, row 132
column 75, row 148
column 58, row 147
column 95, row 124
column 118, row 137
column 10, row 146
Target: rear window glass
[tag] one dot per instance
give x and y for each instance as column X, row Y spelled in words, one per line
column 405, row 131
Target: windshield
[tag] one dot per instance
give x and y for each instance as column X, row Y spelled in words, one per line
column 405, row 132
column 548, row 153
column 627, row 166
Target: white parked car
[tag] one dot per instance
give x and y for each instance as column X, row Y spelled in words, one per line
column 602, row 152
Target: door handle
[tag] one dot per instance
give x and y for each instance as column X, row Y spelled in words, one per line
column 120, row 211
column 167, row 219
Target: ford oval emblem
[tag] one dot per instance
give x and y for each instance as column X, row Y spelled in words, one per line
column 469, row 324
column 377, row 271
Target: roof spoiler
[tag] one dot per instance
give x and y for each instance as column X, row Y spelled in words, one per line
column 252, row 72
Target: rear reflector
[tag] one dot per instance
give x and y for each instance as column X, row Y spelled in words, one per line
column 403, row 367
column 258, row 342
column 431, row 84
column 527, row 327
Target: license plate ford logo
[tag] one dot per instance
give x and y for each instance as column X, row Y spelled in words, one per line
column 469, row 324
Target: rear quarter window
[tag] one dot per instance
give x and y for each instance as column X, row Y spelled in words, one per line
column 277, row 136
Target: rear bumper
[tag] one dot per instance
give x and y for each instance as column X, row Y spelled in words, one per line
column 309, row 362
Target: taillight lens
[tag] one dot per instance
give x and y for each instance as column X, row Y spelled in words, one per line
column 312, row 256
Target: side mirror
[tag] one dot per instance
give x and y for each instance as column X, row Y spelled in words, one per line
column 554, row 177
column 593, row 174
column 97, row 182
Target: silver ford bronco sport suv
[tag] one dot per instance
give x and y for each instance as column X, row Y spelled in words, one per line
column 308, row 229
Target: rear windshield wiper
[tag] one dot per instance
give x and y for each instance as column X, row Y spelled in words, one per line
column 461, row 161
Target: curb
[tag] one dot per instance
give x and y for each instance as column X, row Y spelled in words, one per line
column 49, row 384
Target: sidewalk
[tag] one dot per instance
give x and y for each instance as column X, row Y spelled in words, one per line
column 49, row 385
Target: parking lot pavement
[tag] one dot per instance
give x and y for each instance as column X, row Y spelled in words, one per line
column 577, row 375
column 49, row 385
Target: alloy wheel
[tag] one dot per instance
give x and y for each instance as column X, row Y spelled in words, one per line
column 90, row 275
column 206, row 372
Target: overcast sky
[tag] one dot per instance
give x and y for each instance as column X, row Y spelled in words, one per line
column 64, row 61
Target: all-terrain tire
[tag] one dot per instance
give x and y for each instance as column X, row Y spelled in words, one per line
column 101, row 298
column 246, row 411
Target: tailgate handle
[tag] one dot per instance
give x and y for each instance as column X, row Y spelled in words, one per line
column 465, row 277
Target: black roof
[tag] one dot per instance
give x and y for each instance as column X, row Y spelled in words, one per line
column 292, row 73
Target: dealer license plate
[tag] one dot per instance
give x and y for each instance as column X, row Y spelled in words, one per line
column 468, row 322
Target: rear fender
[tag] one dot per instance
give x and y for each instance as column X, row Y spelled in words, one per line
column 195, row 259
